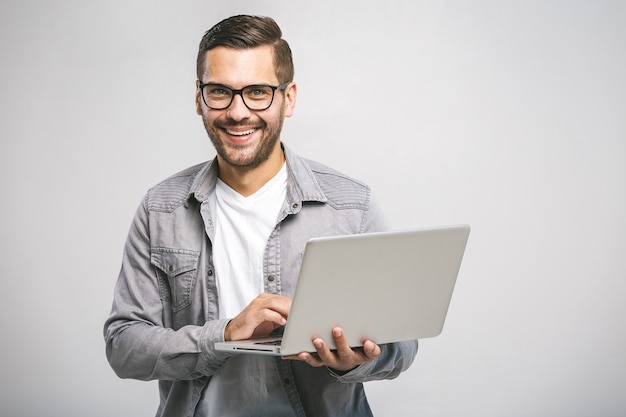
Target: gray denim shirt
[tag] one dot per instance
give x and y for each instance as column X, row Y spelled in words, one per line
column 164, row 320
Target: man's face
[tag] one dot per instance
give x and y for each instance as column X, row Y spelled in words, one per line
column 244, row 138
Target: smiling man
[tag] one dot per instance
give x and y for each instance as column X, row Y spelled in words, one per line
column 244, row 125
column 214, row 251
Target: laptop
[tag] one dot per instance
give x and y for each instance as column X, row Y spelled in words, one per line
column 385, row 287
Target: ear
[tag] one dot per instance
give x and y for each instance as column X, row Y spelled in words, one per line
column 198, row 99
column 290, row 98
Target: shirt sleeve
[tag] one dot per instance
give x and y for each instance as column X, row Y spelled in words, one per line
column 394, row 359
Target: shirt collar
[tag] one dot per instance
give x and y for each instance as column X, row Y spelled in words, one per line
column 301, row 182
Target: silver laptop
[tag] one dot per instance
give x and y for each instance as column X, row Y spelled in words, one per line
column 385, row 287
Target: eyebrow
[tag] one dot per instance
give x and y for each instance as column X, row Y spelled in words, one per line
column 233, row 88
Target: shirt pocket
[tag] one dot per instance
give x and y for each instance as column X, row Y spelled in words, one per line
column 176, row 271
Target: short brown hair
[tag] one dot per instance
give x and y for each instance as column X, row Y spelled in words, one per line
column 243, row 32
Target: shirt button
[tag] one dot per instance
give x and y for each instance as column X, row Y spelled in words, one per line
column 210, row 273
column 271, row 278
column 171, row 268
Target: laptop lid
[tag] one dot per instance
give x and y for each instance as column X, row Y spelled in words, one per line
column 385, row 287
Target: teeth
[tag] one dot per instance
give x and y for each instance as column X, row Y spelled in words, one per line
column 245, row 132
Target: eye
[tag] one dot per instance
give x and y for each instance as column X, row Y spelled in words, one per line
column 217, row 91
column 258, row 92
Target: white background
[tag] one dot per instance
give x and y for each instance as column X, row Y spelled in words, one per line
column 507, row 115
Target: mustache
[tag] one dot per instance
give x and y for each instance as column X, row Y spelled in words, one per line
column 227, row 122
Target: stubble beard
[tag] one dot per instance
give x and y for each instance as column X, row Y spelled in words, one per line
column 246, row 156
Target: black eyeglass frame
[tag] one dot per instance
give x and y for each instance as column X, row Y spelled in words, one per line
column 240, row 93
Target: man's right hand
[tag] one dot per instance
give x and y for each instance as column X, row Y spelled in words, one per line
column 259, row 318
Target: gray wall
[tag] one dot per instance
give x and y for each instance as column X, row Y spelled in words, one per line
column 508, row 115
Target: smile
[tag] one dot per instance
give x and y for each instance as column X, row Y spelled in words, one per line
column 242, row 133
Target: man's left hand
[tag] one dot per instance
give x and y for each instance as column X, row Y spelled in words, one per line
column 344, row 358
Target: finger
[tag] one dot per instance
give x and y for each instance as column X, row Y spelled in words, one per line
column 265, row 322
column 343, row 348
column 274, row 302
column 271, row 315
column 311, row 359
column 253, row 321
column 324, row 353
column 291, row 357
column 371, row 350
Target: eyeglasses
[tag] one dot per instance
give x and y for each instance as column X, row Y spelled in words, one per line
column 255, row 97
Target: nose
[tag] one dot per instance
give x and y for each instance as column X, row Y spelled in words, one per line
column 237, row 109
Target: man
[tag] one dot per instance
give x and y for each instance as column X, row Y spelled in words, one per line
column 213, row 253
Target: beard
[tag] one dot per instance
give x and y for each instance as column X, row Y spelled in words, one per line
column 248, row 155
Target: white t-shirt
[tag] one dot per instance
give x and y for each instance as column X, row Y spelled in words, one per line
column 243, row 227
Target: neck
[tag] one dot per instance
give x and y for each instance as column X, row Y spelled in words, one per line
column 246, row 181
